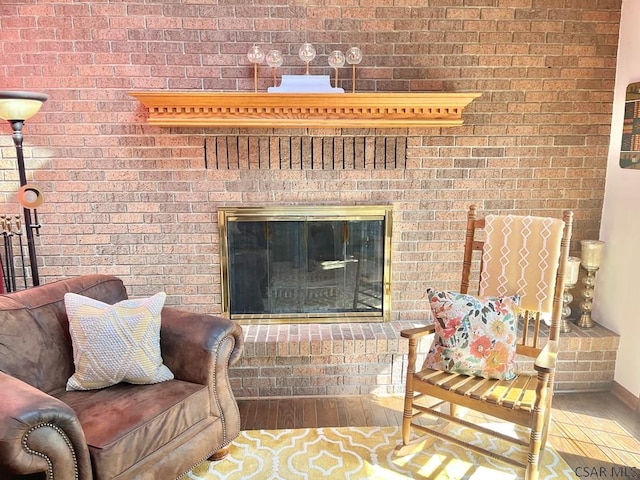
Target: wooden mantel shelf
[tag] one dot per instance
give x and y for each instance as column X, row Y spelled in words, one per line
column 318, row 110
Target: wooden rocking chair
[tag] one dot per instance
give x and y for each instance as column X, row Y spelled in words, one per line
column 518, row 255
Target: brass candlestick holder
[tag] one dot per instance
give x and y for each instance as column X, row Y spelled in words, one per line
column 591, row 257
column 587, row 298
column 572, row 271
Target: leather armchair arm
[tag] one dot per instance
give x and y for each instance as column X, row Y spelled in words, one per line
column 200, row 348
column 39, row 433
column 546, row 360
column 190, row 342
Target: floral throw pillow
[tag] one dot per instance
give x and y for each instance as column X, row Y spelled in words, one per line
column 473, row 335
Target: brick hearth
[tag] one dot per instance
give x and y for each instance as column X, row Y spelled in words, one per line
column 361, row 358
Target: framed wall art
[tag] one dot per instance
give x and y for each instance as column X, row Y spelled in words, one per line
column 630, row 148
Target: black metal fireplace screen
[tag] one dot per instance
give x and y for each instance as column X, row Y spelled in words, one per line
column 305, row 264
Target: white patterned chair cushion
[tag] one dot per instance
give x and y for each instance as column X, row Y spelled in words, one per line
column 115, row 343
column 509, row 267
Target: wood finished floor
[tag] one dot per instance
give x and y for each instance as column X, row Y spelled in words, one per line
column 589, row 430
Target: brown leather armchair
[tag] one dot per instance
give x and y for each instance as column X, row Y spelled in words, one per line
column 157, row 431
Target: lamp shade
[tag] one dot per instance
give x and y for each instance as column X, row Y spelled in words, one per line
column 20, row 105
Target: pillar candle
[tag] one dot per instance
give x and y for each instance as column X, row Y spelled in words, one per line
column 572, row 270
column 591, row 253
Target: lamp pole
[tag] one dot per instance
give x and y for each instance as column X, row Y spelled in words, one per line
column 31, row 246
column 16, row 107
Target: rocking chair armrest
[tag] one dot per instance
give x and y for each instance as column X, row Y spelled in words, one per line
column 417, row 332
column 548, row 357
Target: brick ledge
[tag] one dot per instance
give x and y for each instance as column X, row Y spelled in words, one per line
column 363, row 358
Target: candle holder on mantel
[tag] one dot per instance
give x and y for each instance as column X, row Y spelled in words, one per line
column 591, row 258
column 353, row 58
column 274, row 60
column 255, row 56
column 572, row 271
column 307, row 53
column 336, row 60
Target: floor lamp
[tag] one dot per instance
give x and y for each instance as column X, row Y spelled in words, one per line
column 16, row 108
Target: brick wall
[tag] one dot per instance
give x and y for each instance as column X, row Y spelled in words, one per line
column 138, row 202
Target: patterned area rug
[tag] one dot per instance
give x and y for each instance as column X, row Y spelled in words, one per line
column 359, row 453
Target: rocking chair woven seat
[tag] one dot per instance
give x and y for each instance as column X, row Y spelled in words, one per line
column 523, row 256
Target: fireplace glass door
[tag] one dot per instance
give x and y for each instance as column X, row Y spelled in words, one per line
column 305, row 264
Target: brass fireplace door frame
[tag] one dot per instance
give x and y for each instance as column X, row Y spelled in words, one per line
column 227, row 215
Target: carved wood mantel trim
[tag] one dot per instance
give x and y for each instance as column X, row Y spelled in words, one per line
column 317, row 110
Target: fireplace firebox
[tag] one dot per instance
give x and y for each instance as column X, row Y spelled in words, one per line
column 306, row 264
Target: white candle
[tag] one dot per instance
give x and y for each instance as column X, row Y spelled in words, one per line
column 591, row 253
column 572, row 270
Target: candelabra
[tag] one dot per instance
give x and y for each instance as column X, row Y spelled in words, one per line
column 591, row 257
column 304, row 83
column 16, row 108
column 572, row 271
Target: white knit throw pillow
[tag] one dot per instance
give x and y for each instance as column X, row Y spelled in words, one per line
column 115, row 343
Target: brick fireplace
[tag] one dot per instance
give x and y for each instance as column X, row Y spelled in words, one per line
column 362, row 358
column 140, row 201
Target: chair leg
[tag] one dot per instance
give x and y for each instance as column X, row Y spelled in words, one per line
column 532, row 472
column 409, row 394
column 219, row 455
column 545, row 432
column 420, row 442
column 407, row 446
column 539, row 426
column 533, row 457
column 407, row 414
